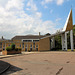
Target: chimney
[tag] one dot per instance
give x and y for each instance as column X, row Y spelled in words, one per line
column 2, row 37
column 39, row 33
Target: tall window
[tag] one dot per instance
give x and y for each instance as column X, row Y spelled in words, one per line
column 26, row 46
column 37, row 47
column 33, row 44
column 23, row 45
column 20, row 45
column 31, row 47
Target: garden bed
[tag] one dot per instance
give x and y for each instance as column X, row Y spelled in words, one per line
column 10, row 52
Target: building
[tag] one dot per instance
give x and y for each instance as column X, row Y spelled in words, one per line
column 27, row 42
column 41, row 42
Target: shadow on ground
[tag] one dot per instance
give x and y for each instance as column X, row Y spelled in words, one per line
column 3, row 66
column 12, row 69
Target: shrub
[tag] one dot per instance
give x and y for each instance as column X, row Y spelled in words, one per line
column 13, row 46
column 16, row 49
column 19, row 48
column 28, row 50
column 8, row 49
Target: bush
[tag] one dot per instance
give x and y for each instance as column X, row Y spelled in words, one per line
column 28, row 50
column 19, row 48
column 8, row 49
column 16, row 49
column 13, row 46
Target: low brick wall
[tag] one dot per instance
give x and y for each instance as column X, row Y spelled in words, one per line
column 10, row 52
column 4, row 52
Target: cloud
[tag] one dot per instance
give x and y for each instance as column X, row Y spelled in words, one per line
column 15, row 21
column 3, row 2
column 32, row 5
column 59, row 2
column 46, row 1
column 58, row 19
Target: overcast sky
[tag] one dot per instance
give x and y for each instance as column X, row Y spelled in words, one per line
column 22, row 17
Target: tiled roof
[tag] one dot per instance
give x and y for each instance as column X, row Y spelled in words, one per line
column 28, row 37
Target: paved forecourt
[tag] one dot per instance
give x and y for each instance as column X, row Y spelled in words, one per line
column 42, row 63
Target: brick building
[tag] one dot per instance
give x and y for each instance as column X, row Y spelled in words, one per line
column 27, row 43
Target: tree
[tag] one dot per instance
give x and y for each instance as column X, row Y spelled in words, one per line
column 13, row 46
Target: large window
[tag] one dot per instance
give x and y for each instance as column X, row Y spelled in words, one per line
column 35, row 40
column 27, row 40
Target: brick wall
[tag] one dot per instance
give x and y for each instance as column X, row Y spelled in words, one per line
column 44, row 44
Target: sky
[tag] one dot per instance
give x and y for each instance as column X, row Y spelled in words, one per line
column 26, row 17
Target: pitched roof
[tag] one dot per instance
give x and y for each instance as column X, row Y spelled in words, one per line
column 28, row 37
column 69, row 22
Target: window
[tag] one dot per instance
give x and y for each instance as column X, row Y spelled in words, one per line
column 20, row 45
column 31, row 47
column 27, row 40
column 37, row 47
column 26, row 47
column 34, row 45
column 35, row 40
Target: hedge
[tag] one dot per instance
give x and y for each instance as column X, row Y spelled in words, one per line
column 8, row 49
